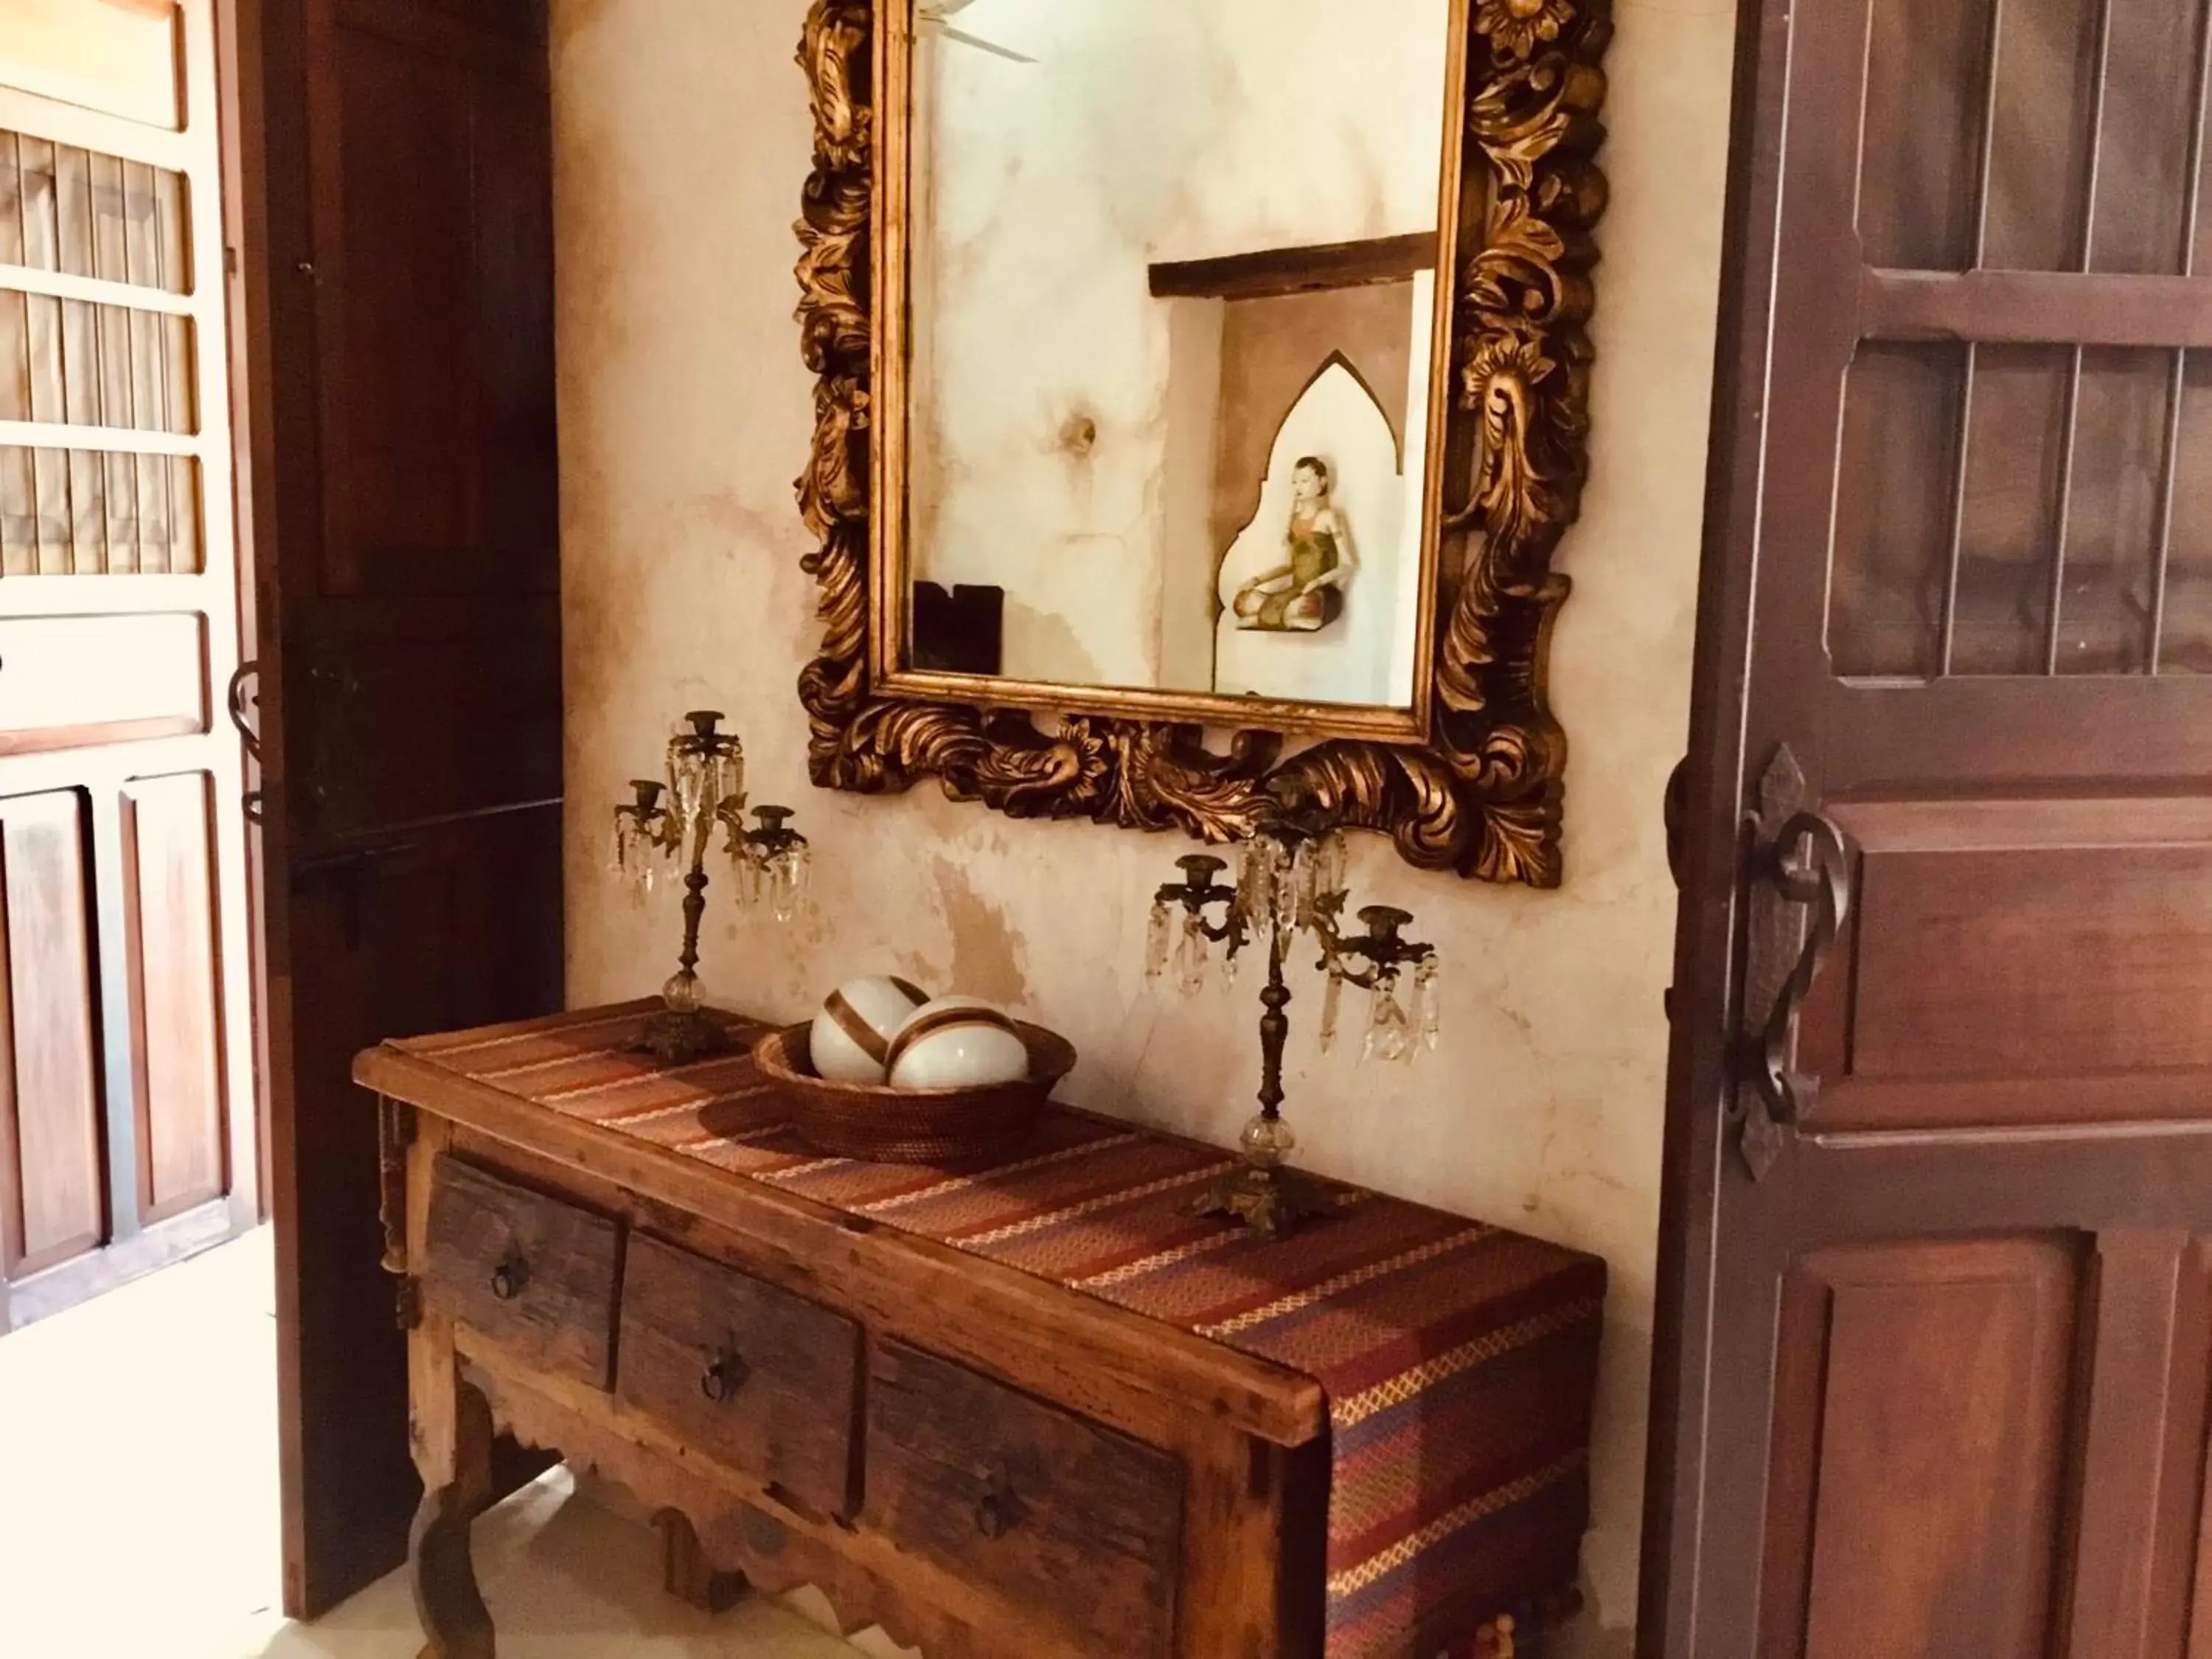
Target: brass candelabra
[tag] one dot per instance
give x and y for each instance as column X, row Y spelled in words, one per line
column 670, row 826
column 1292, row 881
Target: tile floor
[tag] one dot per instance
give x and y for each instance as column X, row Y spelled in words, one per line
column 138, row 1508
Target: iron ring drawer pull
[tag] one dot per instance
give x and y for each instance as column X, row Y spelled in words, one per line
column 999, row 1512
column 725, row 1373
column 509, row 1277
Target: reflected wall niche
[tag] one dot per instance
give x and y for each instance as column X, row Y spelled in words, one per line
column 1202, row 367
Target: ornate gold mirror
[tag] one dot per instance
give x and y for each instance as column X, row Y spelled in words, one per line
column 1195, row 366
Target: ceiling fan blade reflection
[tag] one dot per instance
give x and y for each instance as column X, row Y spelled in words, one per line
column 981, row 45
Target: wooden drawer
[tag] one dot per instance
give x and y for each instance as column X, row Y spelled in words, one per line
column 749, row 1375
column 1078, row 1526
column 535, row 1275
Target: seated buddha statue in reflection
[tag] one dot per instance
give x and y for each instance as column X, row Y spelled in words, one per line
column 1306, row 594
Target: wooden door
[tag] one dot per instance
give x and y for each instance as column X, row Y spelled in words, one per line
column 1936, row 1321
column 126, row 1082
column 394, row 175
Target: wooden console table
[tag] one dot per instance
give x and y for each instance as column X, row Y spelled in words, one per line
column 1035, row 1411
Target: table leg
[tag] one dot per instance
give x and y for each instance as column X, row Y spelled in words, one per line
column 687, row 1572
column 452, row 1449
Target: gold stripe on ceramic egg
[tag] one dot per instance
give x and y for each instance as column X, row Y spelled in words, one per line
column 848, row 1017
column 945, row 1019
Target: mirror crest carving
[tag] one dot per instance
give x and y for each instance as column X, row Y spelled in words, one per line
column 1480, row 792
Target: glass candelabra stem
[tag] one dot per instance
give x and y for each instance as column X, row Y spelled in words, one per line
column 1268, row 1141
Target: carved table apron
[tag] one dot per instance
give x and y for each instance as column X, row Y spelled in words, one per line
column 1031, row 1411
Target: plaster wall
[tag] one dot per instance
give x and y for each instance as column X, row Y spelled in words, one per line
column 682, row 136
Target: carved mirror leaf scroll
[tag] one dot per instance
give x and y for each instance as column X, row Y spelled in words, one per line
column 1482, row 795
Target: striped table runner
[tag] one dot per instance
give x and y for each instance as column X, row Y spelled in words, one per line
column 1459, row 1359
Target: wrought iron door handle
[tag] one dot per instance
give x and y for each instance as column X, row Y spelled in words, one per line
column 242, row 698
column 1808, row 862
column 725, row 1373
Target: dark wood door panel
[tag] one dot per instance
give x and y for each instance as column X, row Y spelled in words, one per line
column 447, row 930
column 2143, row 1425
column 2019, row 962
column 1920, row 1441
column 176, row 995
column 435, row 213
column 426, row 709
column 53, row 1177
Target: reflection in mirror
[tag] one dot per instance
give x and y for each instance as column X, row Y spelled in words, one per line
column 1174, row 293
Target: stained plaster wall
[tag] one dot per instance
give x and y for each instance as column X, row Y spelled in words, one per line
column 682, row 136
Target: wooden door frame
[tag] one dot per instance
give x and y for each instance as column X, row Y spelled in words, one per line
column 1705, row 979
column 244, row 217
column 248, row 181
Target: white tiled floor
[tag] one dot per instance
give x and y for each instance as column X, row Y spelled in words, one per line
column 138, row 1508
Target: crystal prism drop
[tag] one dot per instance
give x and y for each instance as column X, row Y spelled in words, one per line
column 1428, row 1007
column 1249, row 868
column 1389, row 1034
column 1158, row 940
column 1329, row 864
column 1331, row 1003
column 1304, row 866
column 783, row 884
column 1190, row 957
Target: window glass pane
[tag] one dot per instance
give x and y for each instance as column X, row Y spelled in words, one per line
column 2008, row 520
column 1896, row 485
column 1927, row 81
column 2114, row 518
column 2186, row 645
column 83, row 513
column 2150, row 105
column 2039, row 148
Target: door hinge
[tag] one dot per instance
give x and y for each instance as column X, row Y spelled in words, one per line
column 1799, row 868
column 407, row 1303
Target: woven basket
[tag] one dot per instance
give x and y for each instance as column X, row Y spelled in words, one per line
column 880, row 1125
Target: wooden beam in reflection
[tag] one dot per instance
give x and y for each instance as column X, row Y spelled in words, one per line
column 1276, row 271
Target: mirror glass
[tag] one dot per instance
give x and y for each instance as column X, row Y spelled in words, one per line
column 1172, row 301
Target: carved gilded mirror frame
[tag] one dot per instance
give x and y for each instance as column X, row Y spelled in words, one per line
column 1482, row 794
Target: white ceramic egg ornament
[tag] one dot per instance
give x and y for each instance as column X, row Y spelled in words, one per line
column 851, row 1042
column 957, row 1042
